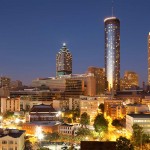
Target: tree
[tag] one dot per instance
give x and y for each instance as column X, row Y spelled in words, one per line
column 8, row 114
column 85, row 119
column 52, row 136
column 100, row 123
column 123, row 143
column 116, row 123
column 137, row 134
column 83, row 132
column 139, row 138
column 69, row 120
column 101, row 107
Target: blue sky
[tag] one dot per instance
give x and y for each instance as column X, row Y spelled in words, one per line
column 32, row 32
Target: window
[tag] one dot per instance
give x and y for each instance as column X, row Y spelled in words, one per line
column 4, row 142
column 10, row 148
column 10, row 142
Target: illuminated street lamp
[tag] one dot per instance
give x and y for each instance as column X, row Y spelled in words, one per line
column 86, row 138
column 58, row 114
column 39, row 134
column 17, row 120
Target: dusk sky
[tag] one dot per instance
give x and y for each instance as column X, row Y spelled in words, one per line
column 32, row 32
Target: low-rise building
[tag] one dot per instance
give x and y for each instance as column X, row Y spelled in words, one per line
column 9, row 104
column 90, row 106
column 130, row 96
column 46, row 126
column 61, row 105
column 74, row 103
column 116, row 111
column 12, row 139
column 68, row 129
column 114, row 108
column 142, row 120
column 137, row 108
column 43, row 113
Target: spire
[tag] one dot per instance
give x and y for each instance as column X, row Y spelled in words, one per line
column 112, row 8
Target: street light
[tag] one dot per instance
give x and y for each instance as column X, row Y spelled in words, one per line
column 58, row 114
column 39, row 134
column 17, row 120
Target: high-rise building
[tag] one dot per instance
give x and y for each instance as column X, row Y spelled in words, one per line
column 63, row 61
column 130, row 80
column 149, row 58
column 112, row 53
column 99, row 74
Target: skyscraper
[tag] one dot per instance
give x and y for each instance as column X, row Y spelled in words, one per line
column 63, row 61
column 149, row 58
column 112, row 53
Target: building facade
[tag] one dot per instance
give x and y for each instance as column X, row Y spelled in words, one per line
column 43, row 113
column 114, row 108
column 142, row 120
column 68, row 129
column 130, row 80
column 112, row 53
column 63, row 61
column 9, row 104
column 89, row 105
column 12, row 139
column 99, row 74
column 5, row 81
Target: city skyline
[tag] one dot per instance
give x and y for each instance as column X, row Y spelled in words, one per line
column 32, row 33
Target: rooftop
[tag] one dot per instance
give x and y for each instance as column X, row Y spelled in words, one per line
column 42, row 108
column 109, row 18
column 14, row 133
column 43, row 123
column 139, row 115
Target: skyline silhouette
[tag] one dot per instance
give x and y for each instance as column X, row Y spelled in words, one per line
column 32, row 32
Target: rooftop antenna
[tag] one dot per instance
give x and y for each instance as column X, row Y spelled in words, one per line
column 112, row 8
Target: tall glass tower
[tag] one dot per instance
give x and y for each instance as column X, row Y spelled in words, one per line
column 112, row 53
column 63, row 61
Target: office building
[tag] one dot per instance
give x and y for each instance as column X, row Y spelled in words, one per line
column 99, row 74
column 142, row 120
column 137, row 109
column 89, row 105
column 61, row 105
column 72, row 85
column 112, row 53
column 130, row 80
column 114, row 108
column 63, row 61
